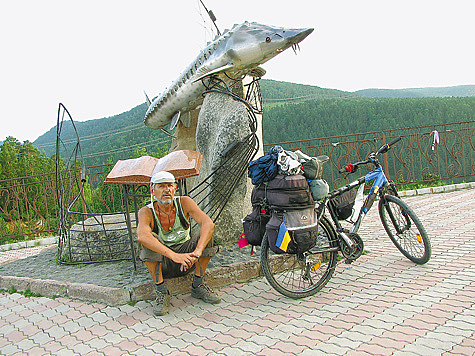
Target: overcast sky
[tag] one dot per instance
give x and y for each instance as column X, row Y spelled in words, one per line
column 97, row 57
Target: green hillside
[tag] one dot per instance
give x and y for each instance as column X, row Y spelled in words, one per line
column 108, row 139
column 332, row 117
column 461, row 90
column 282, row 92
column 291, row 112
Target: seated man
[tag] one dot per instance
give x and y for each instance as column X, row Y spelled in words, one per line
column 168, row 249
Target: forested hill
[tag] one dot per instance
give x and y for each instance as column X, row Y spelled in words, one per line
column 108, row 139
column 125, row 135
column 291, row 112
column 461, row 90
column 278, row 92
column 332, row 117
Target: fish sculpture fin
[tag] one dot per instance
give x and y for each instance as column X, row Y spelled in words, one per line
column 175, row 118
column 167, row 133
column 148, row 100
column 214, row 71
column 257, row 72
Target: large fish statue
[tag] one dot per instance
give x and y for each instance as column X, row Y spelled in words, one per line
column 236, row 52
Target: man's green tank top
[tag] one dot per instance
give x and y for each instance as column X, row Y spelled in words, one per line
column 177, row 233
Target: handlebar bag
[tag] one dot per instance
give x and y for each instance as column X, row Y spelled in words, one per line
column 294, row 231
column 343, row 204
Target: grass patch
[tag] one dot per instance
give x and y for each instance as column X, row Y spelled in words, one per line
column 27, row 292
column 429, row 180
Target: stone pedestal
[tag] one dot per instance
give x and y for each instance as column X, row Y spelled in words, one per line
column 102, row 237
column 221, row 122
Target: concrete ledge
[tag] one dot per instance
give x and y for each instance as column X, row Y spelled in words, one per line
column 49, row 288
column 407, row 193
column 435, row 190
column 105, row 295
column 30, row 243
column 18, row 283
column 216, row 277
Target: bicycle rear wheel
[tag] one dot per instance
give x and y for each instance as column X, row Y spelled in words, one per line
column 301, row 275
column 404, row 229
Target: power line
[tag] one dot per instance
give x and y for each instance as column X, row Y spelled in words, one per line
column 125, row 148
column 310, row 96
column 92, row 137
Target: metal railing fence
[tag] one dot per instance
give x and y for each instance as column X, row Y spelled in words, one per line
column 426, row 153
column 28, row 205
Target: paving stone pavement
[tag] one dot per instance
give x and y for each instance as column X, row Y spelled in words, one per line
column 382, row 304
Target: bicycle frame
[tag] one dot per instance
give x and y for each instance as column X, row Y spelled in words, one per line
column 380, row 181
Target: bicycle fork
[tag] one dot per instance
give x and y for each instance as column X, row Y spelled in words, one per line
column 394, row 221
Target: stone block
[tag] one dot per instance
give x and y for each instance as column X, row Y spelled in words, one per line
column 216, row 277
column 142, row 291
column 49, row 288
column 462, row 186
column 408, row 193
column 423, row 191
column 449, row 188
column 437, row 189
column 100, row 294
column 19, row 283
column 223, row 121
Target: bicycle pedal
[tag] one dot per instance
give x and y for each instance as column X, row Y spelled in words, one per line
column 348, row 261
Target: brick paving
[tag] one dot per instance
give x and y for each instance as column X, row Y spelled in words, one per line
column 382, row 304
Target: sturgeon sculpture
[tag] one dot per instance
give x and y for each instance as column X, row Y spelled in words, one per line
column 239, row 51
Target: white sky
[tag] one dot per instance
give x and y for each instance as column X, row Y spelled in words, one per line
column 98, row 56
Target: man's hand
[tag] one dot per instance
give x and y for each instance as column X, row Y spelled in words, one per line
column 186, row 260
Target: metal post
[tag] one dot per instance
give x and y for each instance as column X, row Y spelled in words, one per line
column 129, row 225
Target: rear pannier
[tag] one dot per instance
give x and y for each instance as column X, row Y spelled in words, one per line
column 294, row 231
column 254, row 225
column 284, row 192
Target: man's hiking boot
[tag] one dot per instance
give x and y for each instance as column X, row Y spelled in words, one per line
column 161, row 304
column 205, row 293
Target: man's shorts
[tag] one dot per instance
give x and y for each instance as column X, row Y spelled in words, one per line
column 171, row 269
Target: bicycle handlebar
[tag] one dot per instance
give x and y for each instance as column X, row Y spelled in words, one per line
column 385, row 148
column 352, row 167
column 348, row 168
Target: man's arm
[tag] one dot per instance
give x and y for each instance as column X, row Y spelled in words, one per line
column 191, row 209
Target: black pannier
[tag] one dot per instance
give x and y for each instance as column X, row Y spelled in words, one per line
column 302, row 226
column 284, row 192
column 343, row 204
column 254, row 226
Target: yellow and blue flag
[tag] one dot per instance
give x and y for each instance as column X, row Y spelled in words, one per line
column 283, row 237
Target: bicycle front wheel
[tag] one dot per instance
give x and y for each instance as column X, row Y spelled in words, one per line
column 301, row 275
column 404, row 229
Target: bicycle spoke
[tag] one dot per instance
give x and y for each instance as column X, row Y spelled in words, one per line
column 298, row 276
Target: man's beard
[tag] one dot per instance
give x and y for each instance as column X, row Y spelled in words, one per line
column 166, row 201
